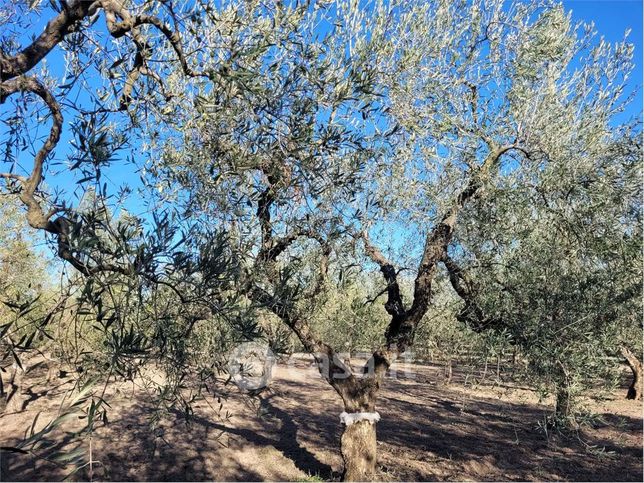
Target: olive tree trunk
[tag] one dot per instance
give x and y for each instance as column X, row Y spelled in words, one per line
column 635, row 389
column 358, row 447
column 564, row 405
column 358, row 441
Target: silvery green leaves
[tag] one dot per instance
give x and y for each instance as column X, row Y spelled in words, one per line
column 276, row 139
column 286, row 106
column 273, row 146
column 556, row 253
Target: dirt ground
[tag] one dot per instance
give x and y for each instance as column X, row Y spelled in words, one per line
column 429, row 431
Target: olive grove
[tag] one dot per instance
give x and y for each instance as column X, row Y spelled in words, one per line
column 331, row 166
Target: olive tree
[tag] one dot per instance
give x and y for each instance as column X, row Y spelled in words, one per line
column 561, row 268
column 384, row 125
column 319, row 137
column 273, row 153
column 534, row 105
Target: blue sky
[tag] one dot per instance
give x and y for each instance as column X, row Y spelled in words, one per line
column 612, row 18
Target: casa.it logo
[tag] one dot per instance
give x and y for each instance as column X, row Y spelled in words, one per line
column 250, row 365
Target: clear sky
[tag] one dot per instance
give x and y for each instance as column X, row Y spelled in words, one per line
column 612, row 18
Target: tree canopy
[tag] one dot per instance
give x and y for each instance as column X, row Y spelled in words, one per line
column 287, row 151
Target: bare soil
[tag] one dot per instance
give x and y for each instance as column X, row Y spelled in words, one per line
column 429, row 431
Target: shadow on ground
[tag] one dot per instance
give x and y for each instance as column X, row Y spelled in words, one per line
column 428, row 432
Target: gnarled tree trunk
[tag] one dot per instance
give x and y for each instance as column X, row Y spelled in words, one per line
column 635, row 389
column 358, row 442
column 565, row 398
column 358, row 447
column 564, row 407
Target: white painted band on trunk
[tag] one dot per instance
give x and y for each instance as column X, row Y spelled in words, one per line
column 350, row 418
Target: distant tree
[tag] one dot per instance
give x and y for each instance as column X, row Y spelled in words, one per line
column 23, row 273
column 26, row 296
column 351, row 320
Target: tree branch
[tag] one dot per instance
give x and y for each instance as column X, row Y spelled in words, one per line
column 130, row 23
column 323, row 353
column 400, row 331
column 472, row 314
column 394, row 305
column 35, row 215
column 12, row 80
column 331, row 367
column 439, row 238
column 66, row 22
column 55, row 31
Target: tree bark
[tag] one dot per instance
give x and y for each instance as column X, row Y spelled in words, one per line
column 635, row 389
column 564, row 398
column 358, row 442
column 564, row 404
column 358, row 447
column 448, row 371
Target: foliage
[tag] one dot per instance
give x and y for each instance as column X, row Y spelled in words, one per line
column 351, row 319
column 287, row 151
column 561, row 266
column 27, row 295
